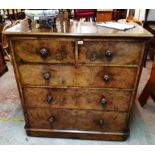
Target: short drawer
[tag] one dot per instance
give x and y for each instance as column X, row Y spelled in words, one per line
column 97, row 99
column 111, row 52
column 83, row 76
column 44, row 50
column 87, row 120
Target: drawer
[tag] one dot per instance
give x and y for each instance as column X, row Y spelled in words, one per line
column 45, row 75
column 83, row 76
column 44, row 50
column 111, row 52
column 95, row 99
column 64, row 119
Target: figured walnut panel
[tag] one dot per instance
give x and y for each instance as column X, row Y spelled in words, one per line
column 119, row 77
column 123, row 52
column 59, row 75
column 82, row 76
column 77, row 98
column 77, row 120
column 58, row 51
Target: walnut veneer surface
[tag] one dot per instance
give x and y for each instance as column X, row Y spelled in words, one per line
column 77, row 80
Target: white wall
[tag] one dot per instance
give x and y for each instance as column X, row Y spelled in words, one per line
column 139, row 14
column 151, row 15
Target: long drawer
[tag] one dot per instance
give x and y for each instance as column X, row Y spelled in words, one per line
column 83, row 76
column 76, row 120
column 44, row 50
column 94, row 99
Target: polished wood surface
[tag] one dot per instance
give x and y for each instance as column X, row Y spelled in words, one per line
column 76, row 120
column 75, row 98
column 77, row 80
column 123, row 52
column 83, row 76
column 76, row 29
column 57, row 52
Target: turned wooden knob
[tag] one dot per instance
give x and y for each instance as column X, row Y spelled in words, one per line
column 109, row 54
column 51, row 119
column 49, row 99
column 106, row 77
column 103, row 101
column 44, row 53
column 101, row 122
column 46, row 75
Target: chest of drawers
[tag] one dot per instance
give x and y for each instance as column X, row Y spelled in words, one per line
column 78, row 80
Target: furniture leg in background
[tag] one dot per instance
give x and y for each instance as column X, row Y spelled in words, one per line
column 149, row 88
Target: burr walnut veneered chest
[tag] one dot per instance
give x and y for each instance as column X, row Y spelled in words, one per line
column 77, row 80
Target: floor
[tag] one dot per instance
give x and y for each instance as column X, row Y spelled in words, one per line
column 142, row 126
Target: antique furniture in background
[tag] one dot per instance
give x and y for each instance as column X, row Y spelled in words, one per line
column 77, row 80
column 149, row 24
column 3, row 67
column 119, row 14
column 85, row 13
column 104, row 15
column 149, row 89
column 14, row 14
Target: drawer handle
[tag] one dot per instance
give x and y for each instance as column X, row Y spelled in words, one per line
column 44, row 53
column 46, row 75
column 103, row 101
column 94, row 56
column 109, row 54
column 49, row 99
column 51, row 119
column 106, row 77
column 101, row 122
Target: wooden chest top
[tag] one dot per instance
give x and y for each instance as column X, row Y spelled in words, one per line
column 77, row 29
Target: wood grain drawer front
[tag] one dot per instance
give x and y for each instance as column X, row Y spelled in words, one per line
column 77, row 98
column 48, row 50
column 117, row 53
column 107, row 77
column 46, row 75
column 113, row 77
column 76, row 120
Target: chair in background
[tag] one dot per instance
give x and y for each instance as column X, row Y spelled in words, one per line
column 14, row 14
column 4, row 39
column 5, row 42
column 149, row 24
column 119, row 14
column 149, row 89
column 85, row 13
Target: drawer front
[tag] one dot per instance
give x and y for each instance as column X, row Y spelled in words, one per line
column 77, row 98
column 47, row 75
column 76, row 120
column 113, row 77
column 108, row 77
column 117, row 53
column 48, row 50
